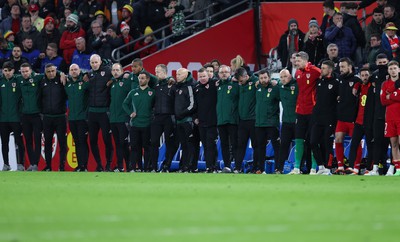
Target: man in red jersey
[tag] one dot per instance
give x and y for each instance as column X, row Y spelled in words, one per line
column 306, row 77
column 390, row 97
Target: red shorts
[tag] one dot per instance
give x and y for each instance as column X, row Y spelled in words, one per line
column 344, row 127
column 392, row 128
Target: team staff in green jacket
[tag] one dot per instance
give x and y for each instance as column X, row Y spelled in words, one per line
column 77, row 93
column 227, row 114
column 288, row 92
column 137, row 69
column 30, row 119
column 138, row 105
column 267, row 116
column 120, row 87
column 10, row 97
column 247, row 117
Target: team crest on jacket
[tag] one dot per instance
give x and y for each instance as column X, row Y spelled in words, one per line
column 229, row 87
column 207, row 86
column 330, row 86
column 121, row 84
column 180, row 92
column 269, row 89
column 150, row 93
column 292, row 88
column 250, row 83
column 13, row 84
column 351, row 84
column 308, row 75
column 31, row 80
column 102, row 73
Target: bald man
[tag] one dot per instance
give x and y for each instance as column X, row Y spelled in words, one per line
column 288, row 93
column 99, row 102
column 184, row 109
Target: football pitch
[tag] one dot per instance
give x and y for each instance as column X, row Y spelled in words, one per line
column 197, row 207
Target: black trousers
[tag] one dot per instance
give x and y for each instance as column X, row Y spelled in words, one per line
column 186, row 140
column 121, row 133
column 287, row 135
column 163, row 124
column 321, row 142
column 209, row 138
column 263, row 134
column 380, row 143
column 56, row 125
column 358, row 133
column 246, row 130
column 79, row 131
column 228, row 137
column 5, row 130
column 97, row 121
column 140, row 139
column 32, row 130
column 196, row 146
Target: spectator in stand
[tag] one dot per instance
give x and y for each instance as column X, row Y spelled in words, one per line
column 10, row 100
column 36, row 20
column 391, row 16
column 291, row 41
column 46, row 7
column 332, row 51
column 29, row 52
column 86, row 11
column 147, row 41
column 63, row 21
column 6, row 8
column 67, row 42
column 50, row 57
column 49, row 34
column 342, row 36
column 390, row 98
column 5, row 53
column 127, row 18
column 314, row 42
column 329, row 10
column 9, row 37
column 95, row 32
column 176, row 16
column 343, row 7
column 27, row 30
column 12, row 22
column 102, row 19
column 216, row 64
column 16, row 58
column 376, row 26
column 82, row 54
column 71, row 4
column 375, row 49
column 126, row 38
column 350, row 20
column 155, row 17
column 107, row 43
column 390, row 41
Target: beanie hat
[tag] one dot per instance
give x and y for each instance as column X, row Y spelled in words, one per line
column 8, row 33
column 47, row 20
column 313, row 22
column 124, row 26
column 148, row 30
column 73, row 17
column 128, row 7
column 292, row 21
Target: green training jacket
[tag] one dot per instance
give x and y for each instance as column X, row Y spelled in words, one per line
column 267, row 106
column 141, row 102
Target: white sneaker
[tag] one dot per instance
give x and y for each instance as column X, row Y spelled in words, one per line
column 295, row 171
column 324, row 172
column 389, row 173
column 313, row 172
column 371, row 173
column 20, row 167
column 6, row 168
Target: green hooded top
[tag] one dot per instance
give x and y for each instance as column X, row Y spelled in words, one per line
column 267, row 106
column 247, row 99
column 119, row 90
column 11, row 99
column 227, row 102
column 77, row 92
column 288, row 95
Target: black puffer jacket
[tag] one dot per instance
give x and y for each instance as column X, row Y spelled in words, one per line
column 164, row 98
column 99, row 93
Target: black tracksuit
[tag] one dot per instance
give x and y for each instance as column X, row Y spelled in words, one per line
column 206, row 99
column 347, row 104
column 53, row 103
column 324, row 118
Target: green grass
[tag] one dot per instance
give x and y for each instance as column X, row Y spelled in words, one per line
column 197, row 207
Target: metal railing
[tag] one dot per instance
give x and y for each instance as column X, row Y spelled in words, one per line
column 116, row 53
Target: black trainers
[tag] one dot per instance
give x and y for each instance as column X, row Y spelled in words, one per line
column 99, row 168
column 108, row 168
column 47, row 168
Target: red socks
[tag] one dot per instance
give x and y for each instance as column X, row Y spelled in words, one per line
column 339, row 150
